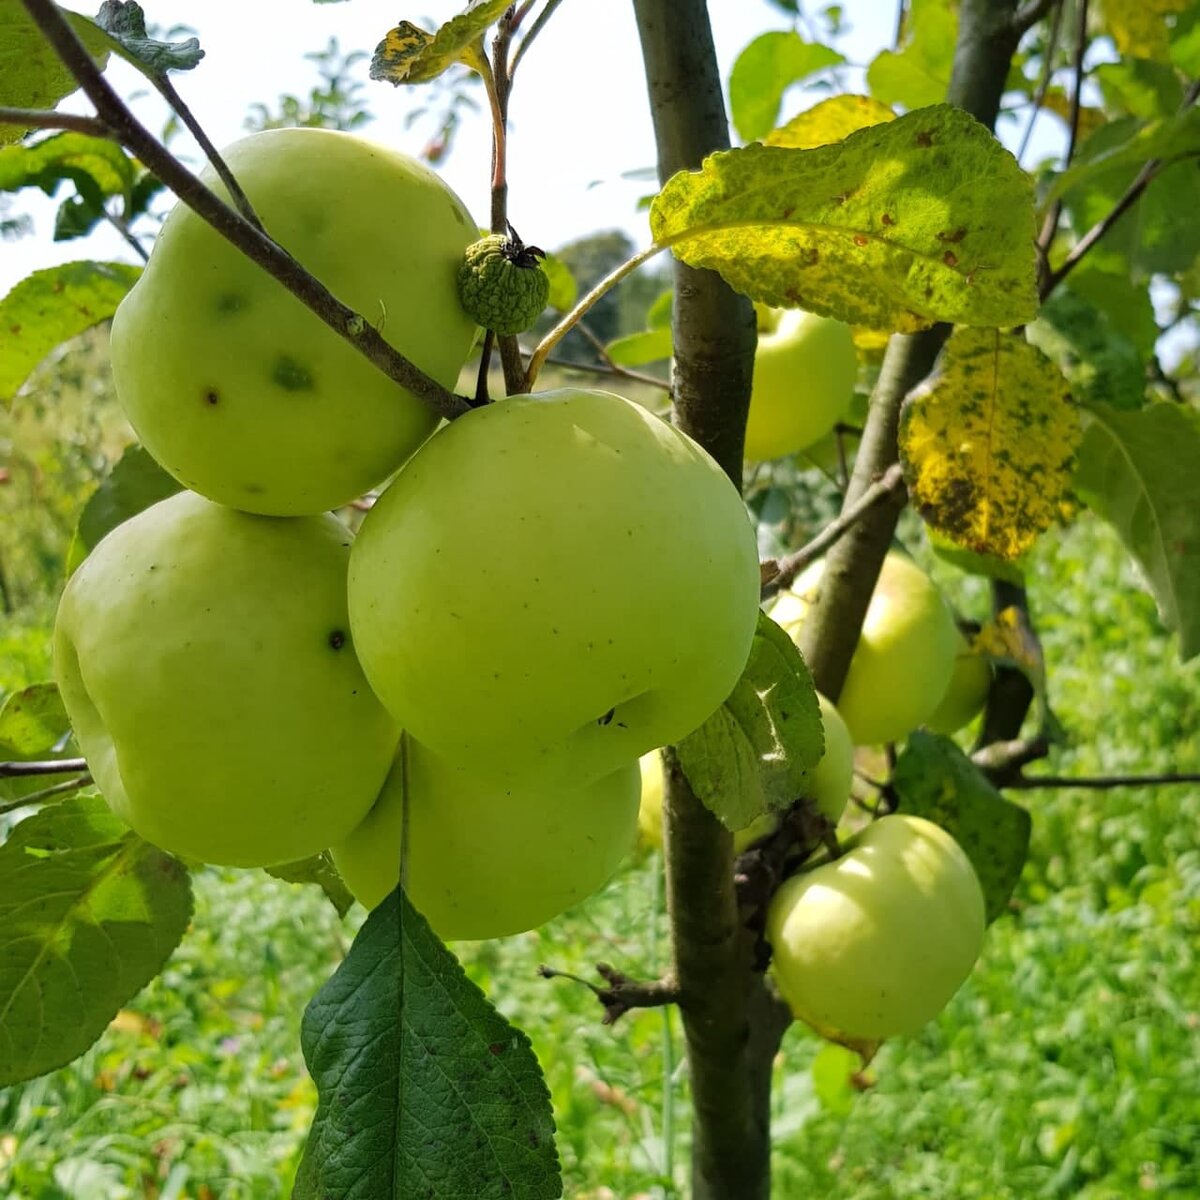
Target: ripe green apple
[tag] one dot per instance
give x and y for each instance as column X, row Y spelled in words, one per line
column 805, row 368
column 876, row 942
column 488, row 859
column 497, row 588
column 241, row 392
column 205, row 660
column 905, row 654
column 829, row 783
column 966, row 693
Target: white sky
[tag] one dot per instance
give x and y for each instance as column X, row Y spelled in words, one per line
column 579, row 117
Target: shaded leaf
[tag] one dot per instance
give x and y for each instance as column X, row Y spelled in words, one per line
column 753, row 754
column 424, row 1088
column 50, row 306
column 936, row 780
column 1103, row 280
column 89, row 913
column 922, row 219
column 989, row 444
column 33, row 719
column 318, row 869
column 1139, row 87
column 126, row 23
column 134, row 483
column 410, row 54
column 919, row 72
column 966, row 560
column 1137, row 470
column 764, row 70
column 31, row 73
column 829, row 121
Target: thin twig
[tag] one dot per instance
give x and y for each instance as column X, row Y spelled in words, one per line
column 1043, row 87
column 538, row 25
column 889, row 484
column 175, row 100
column 276, row 261
column 604, row 369
column 1098, row 782
column 568, row 322
column 56, row 766
column 47, row 793
column 123, row 229
column 1026, row 17
column 621, row 993
column 48, row 118
column 597, row 344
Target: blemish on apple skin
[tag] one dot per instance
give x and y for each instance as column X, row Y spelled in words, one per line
column 337, row 639
column 230, row 302
column 291, row 375
column 211, row 396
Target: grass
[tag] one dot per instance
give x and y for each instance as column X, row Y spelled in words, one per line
column 1066, row 1067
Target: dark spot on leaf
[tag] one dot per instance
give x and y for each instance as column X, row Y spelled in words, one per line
column 291, row 375
column 956, row 236
column 888, row 219
column 859, row 240
column 337, row 639
column 496, row 1048
column 787, row 212
column 950, row 258
column 925, row 138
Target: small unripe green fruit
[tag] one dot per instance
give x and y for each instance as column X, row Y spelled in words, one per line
column 805, row 368
column 501, row 285
column 497, row 587
column 905, row 654
column 486, row 859
column 236, row 387
column 205, row 660
column 966, row 693
column 876, row 942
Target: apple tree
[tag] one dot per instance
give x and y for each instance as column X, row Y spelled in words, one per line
column 444, row 709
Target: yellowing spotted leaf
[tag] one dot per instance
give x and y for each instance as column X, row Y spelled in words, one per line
column 989, row 445
column 410, row 54
column 830, row 121
column 1141, row 28
column 922, row 219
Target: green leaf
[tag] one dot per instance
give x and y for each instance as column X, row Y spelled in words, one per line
column 764, row 70
column 410, row 54
column 637, row 349
column 1137, row 470
column 50, row 306
column 126, row 23
column 33, row 719
column 936, row 780
column 1139, row 87
column 319, row 870
column 31, row 74
column 833, row 1071
column 564, row 291
column 926, row 218
column 135, row 483
column 830, row 121
column 1100, row 363
column 989, row 443
column 1141, row 28
column 919, row 72
column 984, row 565
column 97, row 162
column 1103, row 280
column 753, row 754
column 424, row 1089
column 89, row 913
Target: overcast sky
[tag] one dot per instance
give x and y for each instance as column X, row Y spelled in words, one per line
column 579, row 120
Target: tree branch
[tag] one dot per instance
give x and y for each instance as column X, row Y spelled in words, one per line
column 1031, row 12
column 1098, row 782
column 276, row 261
column 1039, row 97
column 787, row 568
column 48, row 118
column 46, row 793
column 56, row 766
column 621, row 994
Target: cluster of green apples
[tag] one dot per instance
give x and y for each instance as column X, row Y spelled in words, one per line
column 472, row 677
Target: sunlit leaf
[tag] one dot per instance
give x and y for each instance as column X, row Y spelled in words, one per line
column 318, row 870
column 764, row 70
column 638, row 349
column 31, row 73
column 829, row 121
column 919, row 72
column 922, row 219
column 935, row 780
column 88, row 915
column 50, row 306
column 989, row 445
column 1141, row 28
column 410, row 54
column 74, row 156
column 752, row 756
column 424, row 1088
column 564, row 291
column 1138, row 470
column 33, row 719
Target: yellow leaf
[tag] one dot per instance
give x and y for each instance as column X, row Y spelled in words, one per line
column 410, row 54
column 1141, row 28
column 830, row 121
column 989, row 444
column 1009, row 638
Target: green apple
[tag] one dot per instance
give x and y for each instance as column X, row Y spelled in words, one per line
column 829, row 783
column 966, row 693
column 487, row 859
column 241, row 392
column 876, row 942
column 805, row 368
column 905, row 654
column 205, row 660
column 497, row 589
